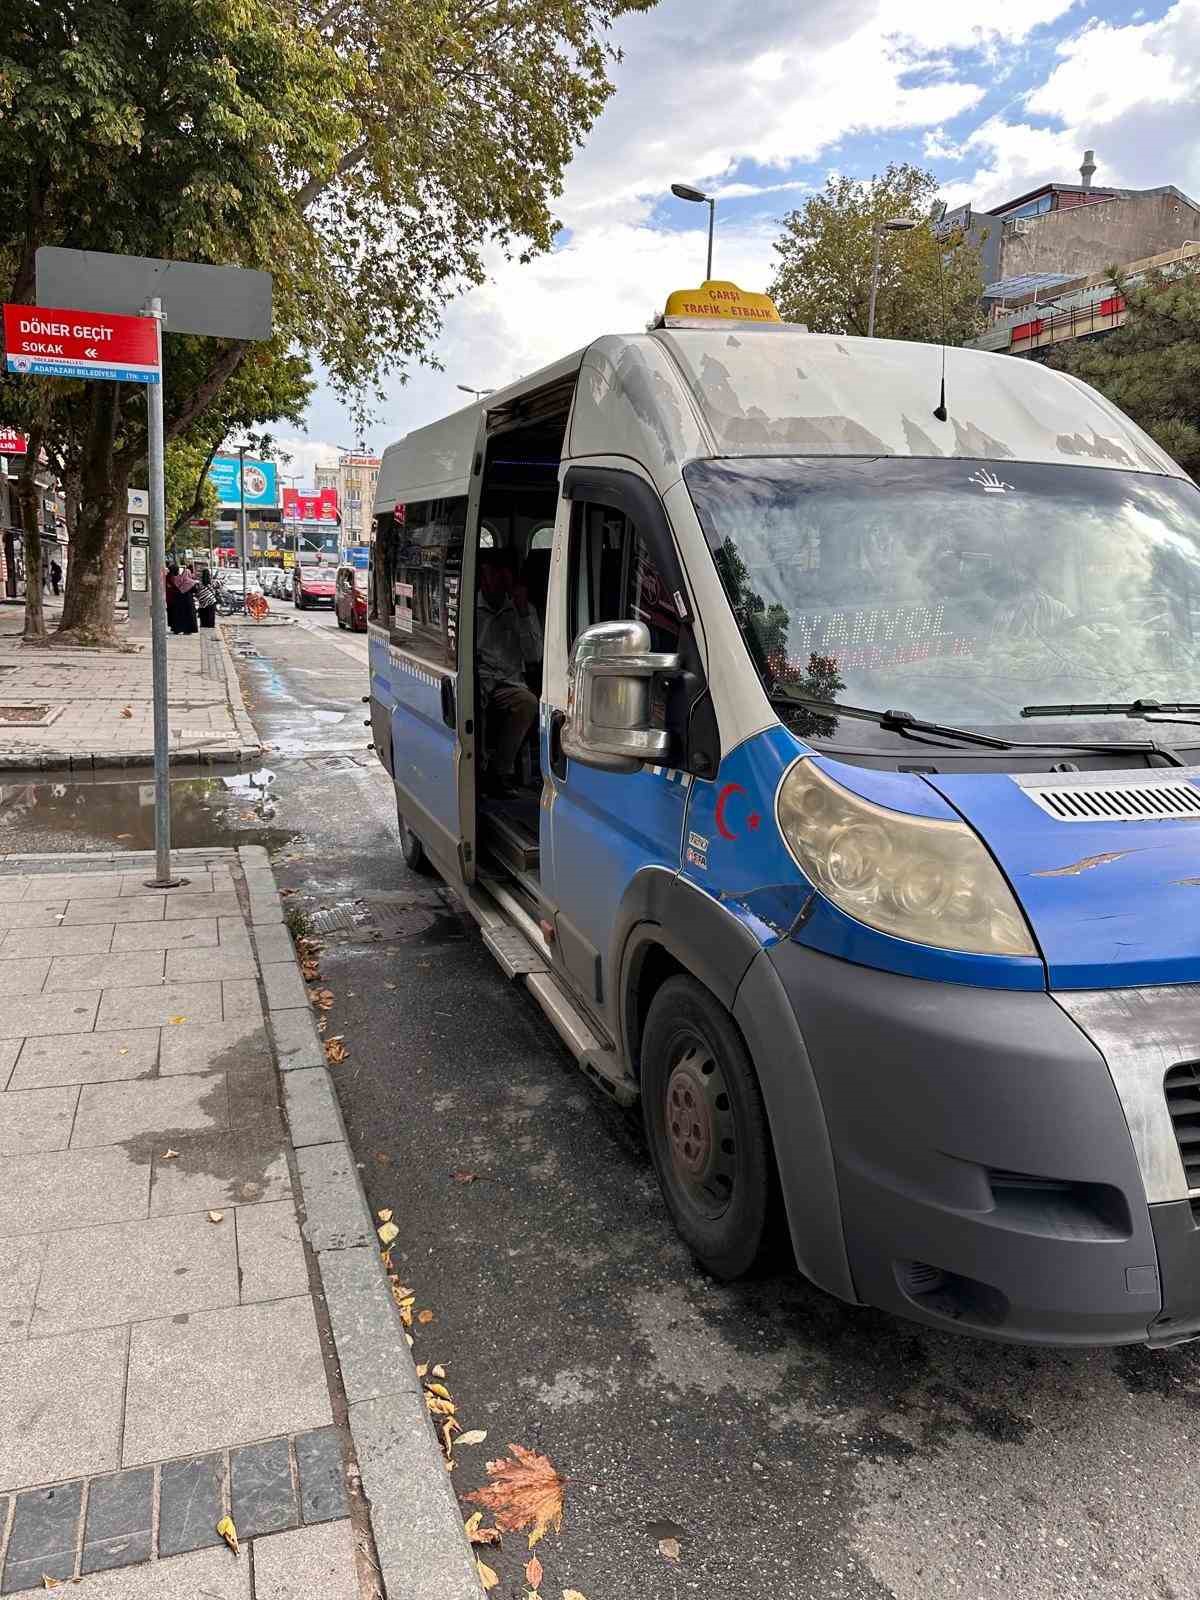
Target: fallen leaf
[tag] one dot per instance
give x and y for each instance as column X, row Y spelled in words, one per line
column 409, row 1337
column 216, row 1216
column 388, row 1232
column 385, row 1215
column 422, row 1369
column 126, row 711
column 463, row 1177
column 169, row 1155
column 174, row 1021
column 448, row 1428
column 487, row 1577
column 321, row 997
column 310, row 968
column 123, row 1051
column 525, row 1492
column 440, row 1390
column 534, row 1573
column 335, row 1052
column 439, row 1371
column 425, row 1317
column 229, row 1533
column 669, row 1548
column 439, row 1407
column 474, row 1436
column 573, row 1594
column 472, row 1522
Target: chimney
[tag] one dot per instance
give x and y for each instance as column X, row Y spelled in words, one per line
column 1087, row 170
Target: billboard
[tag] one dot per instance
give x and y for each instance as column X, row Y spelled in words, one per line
column 261, row 485
column 303, row 507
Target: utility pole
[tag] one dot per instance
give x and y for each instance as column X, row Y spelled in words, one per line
column 242, row 513
column 163, row 878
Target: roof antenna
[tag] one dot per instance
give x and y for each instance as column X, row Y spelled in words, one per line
column 936, row 218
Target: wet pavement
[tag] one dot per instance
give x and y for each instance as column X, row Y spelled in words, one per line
column 791, row 1445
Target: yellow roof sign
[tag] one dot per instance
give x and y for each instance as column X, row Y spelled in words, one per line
column 722, row 301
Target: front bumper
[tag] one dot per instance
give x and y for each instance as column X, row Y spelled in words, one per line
column 986, row 1171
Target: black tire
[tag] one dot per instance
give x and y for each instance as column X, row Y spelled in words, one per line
column 707, row 1128
column 413, row 850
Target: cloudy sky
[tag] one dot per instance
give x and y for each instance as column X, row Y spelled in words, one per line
column 759, row 100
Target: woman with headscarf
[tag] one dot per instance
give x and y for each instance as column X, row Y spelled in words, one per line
column 181, row 608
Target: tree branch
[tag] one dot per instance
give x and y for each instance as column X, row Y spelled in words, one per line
column 315, row 187
column 197, row 505
column 328, row 18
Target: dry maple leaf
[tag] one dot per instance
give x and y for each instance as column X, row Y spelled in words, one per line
column 463, row 1177
column 310, row 967
column 388, row 1232
column 126, row 711
column 669, row 1548
column 525, row 1492
column 487, row 1577
column 321, row 997
column 335, row 1052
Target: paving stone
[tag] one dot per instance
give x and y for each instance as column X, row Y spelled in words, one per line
column 53, row 1429
column 214, row 1047
column 36, row 1119
column 25, row 975
column 44, row 1536
column 191, row 1501
column 198, row 1575
column 154, row 1007
column 261, row 1490
column 14, row 888
column 223, row 1378
column 273, row 944
column 85, row 1058
column 111, row 1113
column 221, row 1169
column 198, row 882
column 79, row 885
column 296, row 1041
column 370, row 1339
column 307, row 1562
column 134, row 1271
column 60, row 1189
column 335, row 1212
column 228, row 961
column 241, row 1000
column 120, row 1517
column 322, row 1472
column 183, row 907
column 119, row 971
column 312, row 1109
column 254, row 1103
column 39, row 913
column 283, row 985
column 20, row 1268
column 32, row 913
column 86, row 939
column 197, row 934
column 10, row 1049
column 35, row 1015
column 149, row 909
column 271, row 1263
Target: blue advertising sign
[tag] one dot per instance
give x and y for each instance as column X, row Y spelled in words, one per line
column 358, row 555
column 261, row 484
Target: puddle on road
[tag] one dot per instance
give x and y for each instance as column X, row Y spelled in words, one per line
column 209, row 810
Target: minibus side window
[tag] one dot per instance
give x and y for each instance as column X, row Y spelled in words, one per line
column 423, row 568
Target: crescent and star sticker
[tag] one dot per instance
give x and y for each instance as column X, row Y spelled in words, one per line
column 723, row 828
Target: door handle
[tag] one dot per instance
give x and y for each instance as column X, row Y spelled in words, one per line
column 558, row 761
column 449, row 712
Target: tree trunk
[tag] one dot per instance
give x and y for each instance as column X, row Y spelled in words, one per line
column 98, row 540
column 31, row 538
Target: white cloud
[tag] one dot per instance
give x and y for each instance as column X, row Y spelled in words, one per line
column 306, row 454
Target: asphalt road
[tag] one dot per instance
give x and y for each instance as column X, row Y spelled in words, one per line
column 793, row 1446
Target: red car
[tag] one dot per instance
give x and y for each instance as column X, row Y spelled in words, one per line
column 350, row 601
column 312, row 586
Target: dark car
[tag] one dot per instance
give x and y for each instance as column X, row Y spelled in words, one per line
column 312, row 586
column 350, row 602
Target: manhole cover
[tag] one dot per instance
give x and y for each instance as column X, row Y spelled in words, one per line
column 346, row 918
column 28, row 716
column 402, row 922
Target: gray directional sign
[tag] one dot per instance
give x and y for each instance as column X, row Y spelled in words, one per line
column 222, row 302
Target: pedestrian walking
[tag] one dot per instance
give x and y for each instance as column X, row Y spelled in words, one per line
column 55, row 576
column 206, row 600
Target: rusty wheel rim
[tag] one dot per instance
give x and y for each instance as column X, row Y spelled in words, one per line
column 700, row 1129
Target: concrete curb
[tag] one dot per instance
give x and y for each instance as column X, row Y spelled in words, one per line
column 423, row 1553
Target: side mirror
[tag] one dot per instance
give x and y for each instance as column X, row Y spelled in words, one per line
column 609, row 681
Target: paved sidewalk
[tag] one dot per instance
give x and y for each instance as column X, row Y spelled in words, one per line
column 94, row 707
column 176, row 1344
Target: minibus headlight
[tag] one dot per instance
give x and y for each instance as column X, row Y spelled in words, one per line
column 914, row 877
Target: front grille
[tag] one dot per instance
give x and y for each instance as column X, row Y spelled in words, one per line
column 1127, row 802
column 1182, row 1087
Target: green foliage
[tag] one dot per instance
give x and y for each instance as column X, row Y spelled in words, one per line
column 823, row 277
column 1150, row 366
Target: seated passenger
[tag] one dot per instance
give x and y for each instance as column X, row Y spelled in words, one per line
column 508, row 637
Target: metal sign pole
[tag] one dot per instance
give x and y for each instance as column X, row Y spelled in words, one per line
column 158, row 616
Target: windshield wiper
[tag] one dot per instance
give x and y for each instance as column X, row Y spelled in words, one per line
column 903, row 722
column 1165, row 709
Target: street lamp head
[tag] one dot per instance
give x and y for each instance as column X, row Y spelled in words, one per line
column 684, row 191
column 900, row 224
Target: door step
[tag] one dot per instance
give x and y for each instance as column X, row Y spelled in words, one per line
column 510, row 841
column 513, row 951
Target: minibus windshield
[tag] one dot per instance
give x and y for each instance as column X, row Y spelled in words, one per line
column 959, row 591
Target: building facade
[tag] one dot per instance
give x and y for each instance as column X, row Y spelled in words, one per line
column 354, row 476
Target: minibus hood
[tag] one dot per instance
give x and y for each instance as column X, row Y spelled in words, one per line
column 1113, row 899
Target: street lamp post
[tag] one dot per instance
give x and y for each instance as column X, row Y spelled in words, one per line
column 684, row 191
column 891, row 225
column 241, row 449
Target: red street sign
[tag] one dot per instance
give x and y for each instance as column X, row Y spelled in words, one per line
column 46, row 342
column 13, row 443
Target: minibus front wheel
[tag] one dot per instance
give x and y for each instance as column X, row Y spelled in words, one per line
column 707, row 1127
